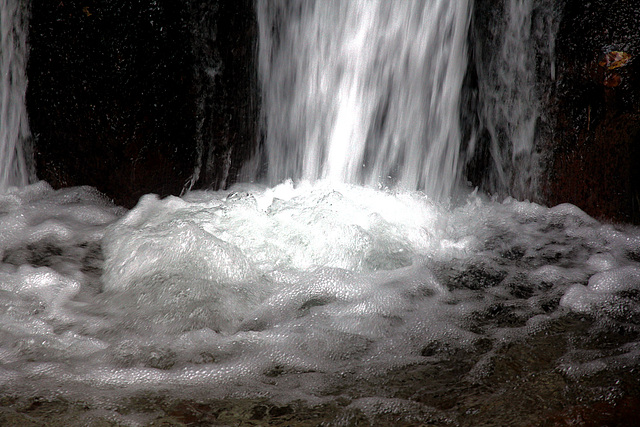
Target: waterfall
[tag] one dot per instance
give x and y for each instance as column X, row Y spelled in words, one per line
column 364, row 92
column 331, row 302
column 514, row 51
column 368, row 92
column 15, row 168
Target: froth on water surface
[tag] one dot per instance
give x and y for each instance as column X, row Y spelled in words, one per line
column 373, row 303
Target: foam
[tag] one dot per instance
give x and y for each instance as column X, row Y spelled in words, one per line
column 602, row 288
column 295, row 284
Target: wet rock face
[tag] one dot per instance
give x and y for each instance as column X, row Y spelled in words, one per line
column 109, row 98
column 589, row 131
column 507, row 81
column 596, row 104
column 118, row 88
column 224, row 42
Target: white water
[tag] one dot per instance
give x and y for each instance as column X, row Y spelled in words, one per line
column 14, row 125
column 319, row 291
column 294, row 291
column 364, row 92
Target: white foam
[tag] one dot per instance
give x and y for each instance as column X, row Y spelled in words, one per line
column 296, row 282
column 601, row 262
column 613, row 280
column 601, row 288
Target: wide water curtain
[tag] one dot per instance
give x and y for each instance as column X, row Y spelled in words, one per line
column 364, row 91
column 14, row 125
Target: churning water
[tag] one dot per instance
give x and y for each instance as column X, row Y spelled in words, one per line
column 382, row 300
column 369, row 305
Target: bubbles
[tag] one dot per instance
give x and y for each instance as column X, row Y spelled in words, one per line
column 298, row 291
column 603, row 288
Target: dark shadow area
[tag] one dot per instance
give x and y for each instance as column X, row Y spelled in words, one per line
column 136, row 97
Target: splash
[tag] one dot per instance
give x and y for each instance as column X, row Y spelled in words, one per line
column 318, row 292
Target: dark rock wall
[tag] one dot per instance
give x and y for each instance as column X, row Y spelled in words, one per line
column 224, row 42
column 125, row 96
column 596, row 145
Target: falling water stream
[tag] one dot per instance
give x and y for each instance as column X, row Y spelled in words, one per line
column 519, row 40
column 365, row 92
column 14, row 125
column 348, row 289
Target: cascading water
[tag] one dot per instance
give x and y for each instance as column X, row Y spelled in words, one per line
column 514, row 57
column 364, row 92
column 322, row 302
column 14, row 126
